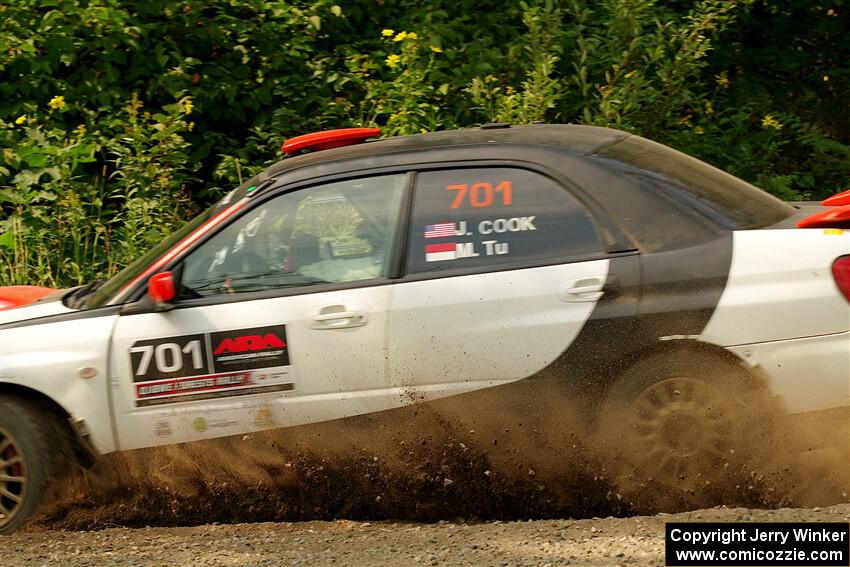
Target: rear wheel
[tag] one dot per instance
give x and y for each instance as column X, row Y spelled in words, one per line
column 25, row 445
column 678, row 430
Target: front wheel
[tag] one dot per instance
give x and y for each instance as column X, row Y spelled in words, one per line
column 25, row 444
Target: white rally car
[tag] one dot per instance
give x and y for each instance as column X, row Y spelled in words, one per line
column 362, row 277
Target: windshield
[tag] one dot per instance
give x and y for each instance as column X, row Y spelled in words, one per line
column 91, row 296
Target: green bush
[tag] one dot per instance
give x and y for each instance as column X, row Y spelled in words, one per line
column 82, row 203
column 120, row 118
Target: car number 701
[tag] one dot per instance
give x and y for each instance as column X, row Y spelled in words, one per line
column 168, row 357
column 481, row 193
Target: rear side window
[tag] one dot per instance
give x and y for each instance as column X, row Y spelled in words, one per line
column 726, row 199
column 495, row 218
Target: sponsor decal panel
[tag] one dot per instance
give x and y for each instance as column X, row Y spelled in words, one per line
column 201, row 367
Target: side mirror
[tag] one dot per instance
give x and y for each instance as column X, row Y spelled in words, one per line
column 161, row 288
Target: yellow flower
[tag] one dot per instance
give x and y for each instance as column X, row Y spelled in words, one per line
column 187, row 106
column 57, row 103
column 436, row 49
column 826, row 77
column 133, row 106
column 21, row 119
column 722, row 79
column 770, row 122
column 709, row 107
column 190, row 126
column 490, row 79
column 400, row 36
column 393, row 60
column 699, row 130
column 388, row 32
column 80, row 130
column 412, row 35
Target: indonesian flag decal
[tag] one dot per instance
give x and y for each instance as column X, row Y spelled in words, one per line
column 439, row 230
column 438, row 252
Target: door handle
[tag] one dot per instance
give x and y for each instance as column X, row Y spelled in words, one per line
column 337, row 317
column 583, row 290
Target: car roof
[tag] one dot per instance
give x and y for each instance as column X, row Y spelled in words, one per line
column 571, row 137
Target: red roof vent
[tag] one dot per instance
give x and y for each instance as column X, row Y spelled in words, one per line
column 838, row 199
column 838, row 217
column 329, row 139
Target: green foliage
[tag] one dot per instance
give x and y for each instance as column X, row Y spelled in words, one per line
column 409, row 101
column 540, row 90
column 118, row 119
column 82, row 203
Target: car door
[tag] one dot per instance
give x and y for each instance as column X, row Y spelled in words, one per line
column 504, row 267
column 279, row 320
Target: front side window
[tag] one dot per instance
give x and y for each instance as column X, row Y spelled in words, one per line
column 495, row 218
column 335, row 233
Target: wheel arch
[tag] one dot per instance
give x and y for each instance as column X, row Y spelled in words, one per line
column 82, row 449
column 707, row 351
column 619, row 366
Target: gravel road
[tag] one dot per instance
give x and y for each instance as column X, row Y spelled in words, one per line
column 598, row 541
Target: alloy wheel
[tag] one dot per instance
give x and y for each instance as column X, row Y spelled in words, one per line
column 682, row 430
column 13, row 478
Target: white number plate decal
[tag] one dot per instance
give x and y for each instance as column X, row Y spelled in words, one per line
column 211, row 365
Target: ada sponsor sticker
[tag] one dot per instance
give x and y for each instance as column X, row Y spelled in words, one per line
column 199, row 424
column 247, row 349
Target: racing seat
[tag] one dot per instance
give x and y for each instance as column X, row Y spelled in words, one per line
column 304, row 249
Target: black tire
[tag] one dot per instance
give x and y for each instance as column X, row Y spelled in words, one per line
column 28, row 436
column 679, row 431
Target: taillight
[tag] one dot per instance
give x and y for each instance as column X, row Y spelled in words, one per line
column 841, row 273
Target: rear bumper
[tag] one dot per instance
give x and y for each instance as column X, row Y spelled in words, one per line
column 809, row 374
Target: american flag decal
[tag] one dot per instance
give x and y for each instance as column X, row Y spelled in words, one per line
column 440, row 230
